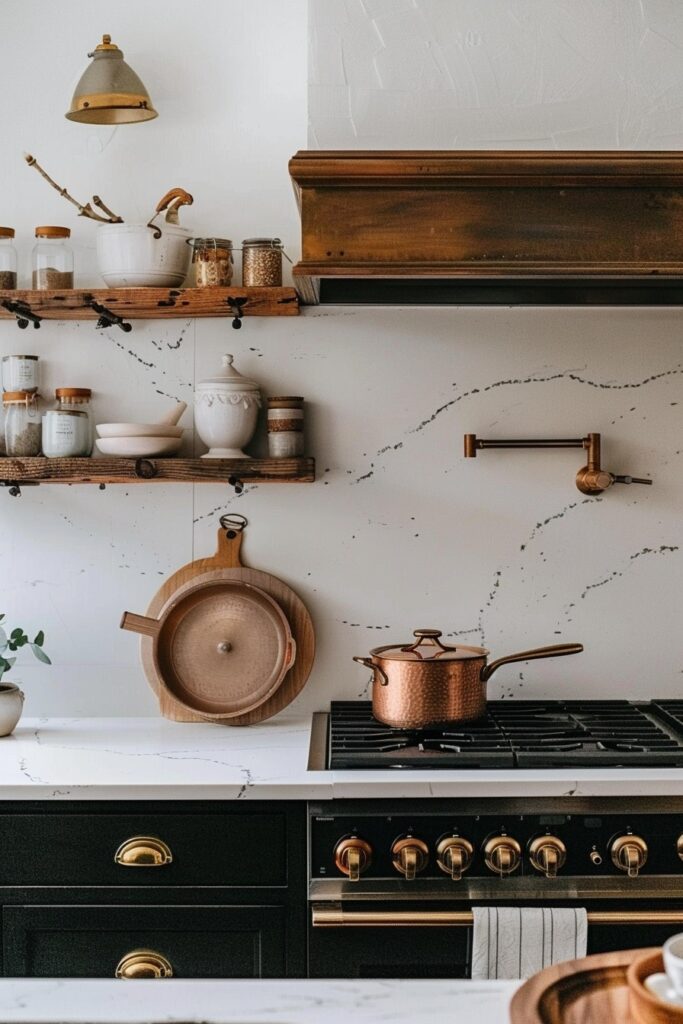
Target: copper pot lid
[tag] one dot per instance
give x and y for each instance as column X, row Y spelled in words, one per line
column 222, row 647
column 427, row 647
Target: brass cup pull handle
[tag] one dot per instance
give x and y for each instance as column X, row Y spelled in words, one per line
column 143, row 963
column 143, row 852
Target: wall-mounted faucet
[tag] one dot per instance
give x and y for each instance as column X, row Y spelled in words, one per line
column 590, row 479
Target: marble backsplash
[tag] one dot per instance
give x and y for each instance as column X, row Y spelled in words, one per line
column 399, row 530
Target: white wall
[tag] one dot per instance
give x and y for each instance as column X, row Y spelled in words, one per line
column 400, row 531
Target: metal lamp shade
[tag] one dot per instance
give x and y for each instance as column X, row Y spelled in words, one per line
column 109, row 91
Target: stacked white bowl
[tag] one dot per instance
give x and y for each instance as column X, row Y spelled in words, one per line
column 142, row 440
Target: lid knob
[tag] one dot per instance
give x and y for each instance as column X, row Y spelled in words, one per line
column 228, row 360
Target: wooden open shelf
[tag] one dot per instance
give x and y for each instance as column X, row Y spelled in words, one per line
column 143, row 471
column 152, row 303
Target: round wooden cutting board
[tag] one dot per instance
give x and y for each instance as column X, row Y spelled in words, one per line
column 226, row 565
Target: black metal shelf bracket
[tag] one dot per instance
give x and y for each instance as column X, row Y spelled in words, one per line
column 106, row 318
column 236, row 483
column 22, row 312
column 14, row 486
column 237, row 305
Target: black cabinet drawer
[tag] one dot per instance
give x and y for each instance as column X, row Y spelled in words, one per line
column 197, row 942
column 207, row 848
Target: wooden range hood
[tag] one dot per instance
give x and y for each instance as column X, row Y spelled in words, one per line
column 489, row 228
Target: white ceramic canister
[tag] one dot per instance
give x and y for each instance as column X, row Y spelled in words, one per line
column 130, row 255
column 226, row 412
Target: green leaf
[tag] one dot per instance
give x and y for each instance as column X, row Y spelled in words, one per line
column 40, row 654
column 12, row 646
column 40, row 639
column 22, row 640
column 2, row 616
column 3, row 637
column 16, row 633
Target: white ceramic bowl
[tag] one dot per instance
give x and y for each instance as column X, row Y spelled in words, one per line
column 139, row 447
column 137, row 430
column 129, row 256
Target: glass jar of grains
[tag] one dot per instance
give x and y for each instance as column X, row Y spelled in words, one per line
column 77, row 400
column 262, row 262
column 22, row 424
column 212, row 261
column 8, row 259
column 53, row 260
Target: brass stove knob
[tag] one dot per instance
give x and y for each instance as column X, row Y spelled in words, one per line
column 454, row 855
column 502, row 855
column 410, row 856
column 629, row 854
column 547, row 855
column 679, row 847
column 353, row 856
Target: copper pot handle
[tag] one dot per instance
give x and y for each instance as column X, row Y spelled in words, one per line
column 538, row 652
column 369, row 663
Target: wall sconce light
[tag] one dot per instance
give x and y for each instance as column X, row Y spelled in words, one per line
column 109, row 91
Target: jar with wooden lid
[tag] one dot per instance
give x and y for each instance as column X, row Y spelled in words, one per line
column 21, row 373
column 22, row 424
column 78, row 400
column 262, row 262
column 212, row 261
column 285, row 427
column 8, row 259
column 53, row 260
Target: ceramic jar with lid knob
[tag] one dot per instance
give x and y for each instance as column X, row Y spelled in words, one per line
column 226, row 412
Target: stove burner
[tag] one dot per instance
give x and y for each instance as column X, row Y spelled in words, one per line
column 517, row 734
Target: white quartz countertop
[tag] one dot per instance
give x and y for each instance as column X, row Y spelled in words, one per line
column 152, row 758
column 265, row 1002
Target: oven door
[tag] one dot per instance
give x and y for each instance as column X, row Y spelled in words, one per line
column 411, row 940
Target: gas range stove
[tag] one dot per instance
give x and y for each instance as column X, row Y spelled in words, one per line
column 515, row 734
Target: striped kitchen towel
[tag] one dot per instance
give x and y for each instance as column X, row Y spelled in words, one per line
column 516, row 942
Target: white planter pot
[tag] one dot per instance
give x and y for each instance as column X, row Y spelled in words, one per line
column 11, row 706
column 129, row 256
column 226, row 412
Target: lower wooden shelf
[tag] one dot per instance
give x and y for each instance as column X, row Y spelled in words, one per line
column 144, row 471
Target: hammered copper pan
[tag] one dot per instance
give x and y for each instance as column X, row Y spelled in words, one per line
column 428, row 683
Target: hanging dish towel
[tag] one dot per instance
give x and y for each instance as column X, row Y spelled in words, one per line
column 516, row 942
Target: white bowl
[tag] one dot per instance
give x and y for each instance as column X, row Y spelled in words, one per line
column 138, row 430
column 139, row 447
column 129, row 256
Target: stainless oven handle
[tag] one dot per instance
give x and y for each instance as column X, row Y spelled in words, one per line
column 336, row 917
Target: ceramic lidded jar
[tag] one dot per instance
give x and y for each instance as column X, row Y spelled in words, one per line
column 226, row 411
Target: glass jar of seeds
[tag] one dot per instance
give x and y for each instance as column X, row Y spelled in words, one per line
column 53, row 260
column 77, row 400
column 22, row 424
column 262, row 262
column 8, row 259
column 20, row 373
column 212, row 261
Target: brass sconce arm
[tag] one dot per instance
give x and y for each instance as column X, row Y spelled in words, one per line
column 590, row 479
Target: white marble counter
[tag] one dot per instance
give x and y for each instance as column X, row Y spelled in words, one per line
column 220, row 1002
column 151, row 758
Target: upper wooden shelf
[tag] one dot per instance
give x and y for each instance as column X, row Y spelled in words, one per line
column 135, row 471
column 152, row 303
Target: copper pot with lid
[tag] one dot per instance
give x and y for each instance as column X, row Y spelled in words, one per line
column 429, row 683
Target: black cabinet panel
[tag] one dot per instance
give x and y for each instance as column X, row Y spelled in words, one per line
column 76, row 849
column 199, row 942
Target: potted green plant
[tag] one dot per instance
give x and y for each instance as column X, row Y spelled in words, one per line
column 11, row 697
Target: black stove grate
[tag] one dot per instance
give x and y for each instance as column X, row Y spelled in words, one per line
column 516, row 734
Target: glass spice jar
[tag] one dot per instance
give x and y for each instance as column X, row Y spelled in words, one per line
column 285, row 427
column 8, row 259
column 262, row 262
column 20, row 373
column 78, row 400
column 22, row 424
column 212, row 261
column 53, row 260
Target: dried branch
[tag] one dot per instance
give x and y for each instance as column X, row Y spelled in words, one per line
column 105, row 209
column 84, row 211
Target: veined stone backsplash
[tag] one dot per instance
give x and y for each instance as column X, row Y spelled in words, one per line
column 400, row 530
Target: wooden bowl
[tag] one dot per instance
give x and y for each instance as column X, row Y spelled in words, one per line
column 646, row 1007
